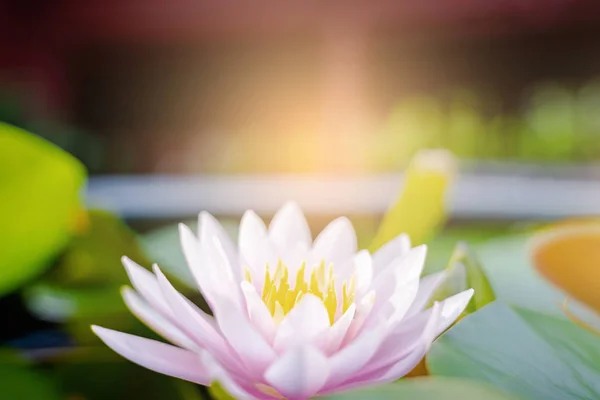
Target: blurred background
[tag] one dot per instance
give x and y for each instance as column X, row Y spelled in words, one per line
column 170, row 108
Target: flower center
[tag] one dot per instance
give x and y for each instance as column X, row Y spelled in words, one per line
column 280, row 297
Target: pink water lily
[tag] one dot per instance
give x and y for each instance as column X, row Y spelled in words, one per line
column 293, row 318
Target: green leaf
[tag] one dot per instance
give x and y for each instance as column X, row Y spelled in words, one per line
column 464, row 272
column 87, row 278
column 527, row 354
column 506, row 264
column 94, row 256
column 19, row 382
column 427, row 388
column 217, row 392
column 420, row 210
column 84, row 286
column 39, row 207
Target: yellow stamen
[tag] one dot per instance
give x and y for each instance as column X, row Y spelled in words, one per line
column 280, row 297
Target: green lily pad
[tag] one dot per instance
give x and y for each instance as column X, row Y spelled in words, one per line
column 94, row 256
column 40, row 204
column 426, row 389
column 528, row 354
column 506, row 264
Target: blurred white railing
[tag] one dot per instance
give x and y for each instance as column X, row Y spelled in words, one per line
column 486, row 192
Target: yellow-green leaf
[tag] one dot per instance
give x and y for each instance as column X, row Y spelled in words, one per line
column 420, row 210
column 217, row 392
column 39, row 204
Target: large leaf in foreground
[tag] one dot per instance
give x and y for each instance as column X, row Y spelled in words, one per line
column 427, row 389
column 525, row 353
column 39, row 204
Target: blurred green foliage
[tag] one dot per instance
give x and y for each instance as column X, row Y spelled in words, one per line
column 83, row 286
column 40, row 208
column 553, row 124
column 22, row 383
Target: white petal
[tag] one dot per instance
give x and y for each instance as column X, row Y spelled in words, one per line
column 400, row 353
column 408, row 266
column 306, row 323
column 219, row 271
column 452, row 307
column 299, row 374
column 427, row 287
column 289, row 227
column 209, row 230
column 209, row 266
column 339, row 329
column 258, row 313
column 363, row 269
column 385, row 375
column 156, row 356
column 145, row 283
column 403, row 270
column 191, row 250
column 255, row 247
column 364, row 308
column 405, row 338
column 354, row 356
column 197, row 323
column 335, row 243
column 401, row 300
column 219, row 374
column 252, row 348
column 156, row 321
column 405, row 365
column 390, row 251
column 399, row 364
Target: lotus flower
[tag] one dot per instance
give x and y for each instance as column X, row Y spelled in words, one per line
column 293, row 318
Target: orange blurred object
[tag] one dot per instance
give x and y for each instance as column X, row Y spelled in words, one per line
column 568, row 255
